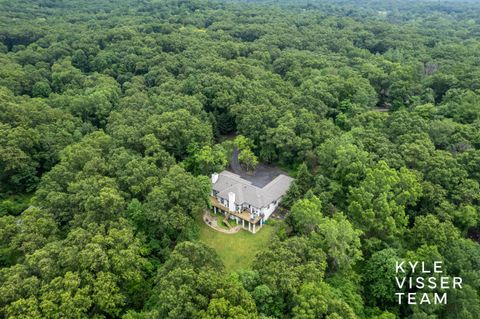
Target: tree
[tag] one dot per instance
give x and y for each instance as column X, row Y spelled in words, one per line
column 222, row 308
column 41, row 89
column 189, row 286
column 98, row 97
column 339, row 87
column 170, row 209
column 340, row 241
column 241, row 142
column 379, row 279
column 207, row 159
column 101, row 273
column 302, row 183
column 177, row 130
column 343, row 165
column 248, row 159
column 304, row 178
column 377, row 206
column 66, row 76
column 306, row 215
column 464, row 303
column 31, row 137
column 320, row 301
column 430, row 231
column 282, row 269
column 34, row 229
column 461, row 105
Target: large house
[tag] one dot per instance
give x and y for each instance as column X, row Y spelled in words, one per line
column 240, row 200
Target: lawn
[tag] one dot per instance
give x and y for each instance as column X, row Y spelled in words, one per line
column 237, row 251
column 219, row 218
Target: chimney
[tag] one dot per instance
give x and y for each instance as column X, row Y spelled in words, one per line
column 231, row 201
column 214, row 178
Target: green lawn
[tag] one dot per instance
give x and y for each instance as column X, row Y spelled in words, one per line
column 237, row 251
column 219, row 218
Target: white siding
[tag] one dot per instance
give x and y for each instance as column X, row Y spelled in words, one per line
column 267, row 211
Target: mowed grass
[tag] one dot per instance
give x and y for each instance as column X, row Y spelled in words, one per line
column 237, row 251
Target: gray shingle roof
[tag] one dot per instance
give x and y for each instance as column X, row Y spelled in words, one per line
column 246, row 192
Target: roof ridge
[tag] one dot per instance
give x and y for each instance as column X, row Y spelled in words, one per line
column 247, row 192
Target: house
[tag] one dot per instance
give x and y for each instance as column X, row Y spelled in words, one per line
column 240, row 200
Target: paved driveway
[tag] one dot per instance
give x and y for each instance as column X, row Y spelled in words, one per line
column 263, row 174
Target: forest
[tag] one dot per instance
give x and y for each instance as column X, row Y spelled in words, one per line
column 113, row 115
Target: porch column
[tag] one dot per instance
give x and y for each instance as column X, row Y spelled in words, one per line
column 249, row 226
column 243, row 223
column 254, row 228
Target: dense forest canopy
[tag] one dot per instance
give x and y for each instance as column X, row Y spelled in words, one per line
column 113, row 115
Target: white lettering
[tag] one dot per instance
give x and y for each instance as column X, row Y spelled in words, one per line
column 411, row 298
column 425, row 271
column 457, row 282
column 399, row 294
column 402, row 283
column 420, row 283
column 439, row 300
column 425, row 299
column 444, row 282
column 413, row 266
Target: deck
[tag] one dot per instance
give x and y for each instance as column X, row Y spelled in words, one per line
column 245, row 215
